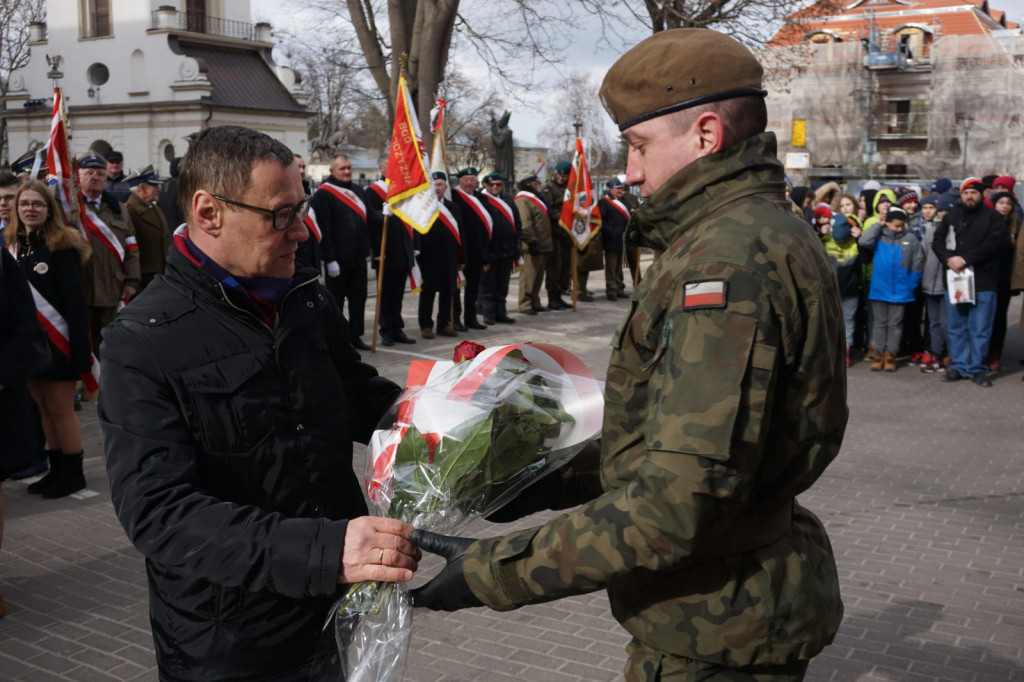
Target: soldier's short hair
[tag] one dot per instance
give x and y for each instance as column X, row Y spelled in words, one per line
column 220, row 160
column 744, row 117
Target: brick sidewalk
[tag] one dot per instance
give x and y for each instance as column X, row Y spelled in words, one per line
column 925, row 507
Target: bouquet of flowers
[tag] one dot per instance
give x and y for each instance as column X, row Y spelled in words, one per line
column 464, row 438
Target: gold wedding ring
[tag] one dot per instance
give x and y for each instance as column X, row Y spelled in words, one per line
column 381, row 560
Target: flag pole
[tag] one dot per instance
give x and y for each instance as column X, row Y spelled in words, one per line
column 380, row 280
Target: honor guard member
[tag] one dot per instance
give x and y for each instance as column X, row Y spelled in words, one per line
column 151, row 229
column 558, row 266
column 398, row 260
column 112, row 275
column 725, row 399
column 536, row 244
column 342, row 213
column 440, row 258
column 117, row 181
column 504, row 250
column 475, row 227
column 614, row 218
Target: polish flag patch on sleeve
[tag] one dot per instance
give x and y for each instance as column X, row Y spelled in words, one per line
column 706, row 294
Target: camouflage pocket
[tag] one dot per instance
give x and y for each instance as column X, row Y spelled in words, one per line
column 701, row 387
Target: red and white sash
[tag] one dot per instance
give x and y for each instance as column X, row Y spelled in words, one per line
column 347, row 197
column 380, row 188
column 533, row 197
column 618, row 206
column 56, row 328
column 500, row 204
column 312, row 224
column 478, row 208
column 99, row 229
column 446, row 217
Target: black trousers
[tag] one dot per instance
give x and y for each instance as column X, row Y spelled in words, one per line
column 473, row 272
column 350, row 286
column 494, row 288
column 392, row 290
column 426, row 308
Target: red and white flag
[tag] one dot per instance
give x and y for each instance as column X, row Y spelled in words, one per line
column 439, row 151
column 61, row 177
column 410, row 191
column 578, row 208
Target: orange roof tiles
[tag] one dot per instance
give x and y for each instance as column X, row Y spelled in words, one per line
column 950, row 17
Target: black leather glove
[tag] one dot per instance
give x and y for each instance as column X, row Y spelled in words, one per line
column 448, row 590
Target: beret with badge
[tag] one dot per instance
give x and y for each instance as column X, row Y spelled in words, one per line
column 675, row 70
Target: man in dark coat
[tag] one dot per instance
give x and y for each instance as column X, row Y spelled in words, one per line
column 558, row 267
column 151, row 229
column 231, row 398
column 117, row 181
column 614, row 218
column 475, row 227
column 971, row 236
column 398, row 260
column 440, row 259
column 341, row 211
column 504, row 250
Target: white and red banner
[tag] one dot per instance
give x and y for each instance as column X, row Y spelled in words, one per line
column 313, row 225
column 501, row 206
column 347, row 197
column 448, row 220
column 439, row 151
column 534, row 199
column 477, row 206
column 61, row 176
column 577, row 210
column 410, row 191
column 92, row 225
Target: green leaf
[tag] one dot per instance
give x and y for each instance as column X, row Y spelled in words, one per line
column 462, row 449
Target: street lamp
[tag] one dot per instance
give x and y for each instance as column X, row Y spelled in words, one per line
column 966, row 120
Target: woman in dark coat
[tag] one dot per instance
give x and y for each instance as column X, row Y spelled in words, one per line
column 51, row 256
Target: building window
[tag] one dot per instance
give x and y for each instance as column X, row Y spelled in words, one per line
column 96, row 21
column 914, row 41
column 195, row 15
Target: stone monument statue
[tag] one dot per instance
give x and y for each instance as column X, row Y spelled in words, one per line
column 504, row 153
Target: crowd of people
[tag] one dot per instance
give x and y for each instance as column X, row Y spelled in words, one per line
column 926, row 274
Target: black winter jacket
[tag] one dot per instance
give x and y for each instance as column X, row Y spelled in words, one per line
column 229, row 453
column 981, row 240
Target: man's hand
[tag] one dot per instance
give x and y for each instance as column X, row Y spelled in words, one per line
column 956, row 263
column 333, row 269
column 448, row 591
column 378, row 549
column 128, row 292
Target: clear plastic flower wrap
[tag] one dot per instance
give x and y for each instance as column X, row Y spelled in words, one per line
column 464, row 438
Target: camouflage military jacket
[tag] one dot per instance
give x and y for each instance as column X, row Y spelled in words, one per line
column 725, row 398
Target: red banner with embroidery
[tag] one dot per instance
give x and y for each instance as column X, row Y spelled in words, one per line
column 577, row 217
column 410, row 191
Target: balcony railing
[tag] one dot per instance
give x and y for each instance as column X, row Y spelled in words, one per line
column 197, row 22
column 901, row 126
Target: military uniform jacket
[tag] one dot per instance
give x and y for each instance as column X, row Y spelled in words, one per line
column 536, row 223
column 104, row 276
column 152, row 234
column 725, row 398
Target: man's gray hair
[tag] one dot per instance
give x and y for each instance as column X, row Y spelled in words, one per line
column 220, row 160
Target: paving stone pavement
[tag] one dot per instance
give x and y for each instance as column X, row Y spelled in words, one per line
column 925, row 508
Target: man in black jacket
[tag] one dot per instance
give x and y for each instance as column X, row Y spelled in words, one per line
column 971, row 236
column 341, row 212
column 231, row 397
column 505, row 239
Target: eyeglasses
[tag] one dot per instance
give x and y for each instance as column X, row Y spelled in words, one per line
column 283, row 216
column 496, row 184
column 32, row 204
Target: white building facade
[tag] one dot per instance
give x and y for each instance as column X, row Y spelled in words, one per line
column 140, row 75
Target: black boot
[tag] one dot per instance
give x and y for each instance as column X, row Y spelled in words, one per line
column 70, row 478
column 46, row 481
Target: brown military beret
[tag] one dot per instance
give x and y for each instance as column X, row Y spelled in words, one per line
column 678, row 69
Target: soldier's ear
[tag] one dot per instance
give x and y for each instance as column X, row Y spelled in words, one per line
column 207, row 213
column 711, row 133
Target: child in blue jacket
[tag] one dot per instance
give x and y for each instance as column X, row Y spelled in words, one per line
column 898, row 262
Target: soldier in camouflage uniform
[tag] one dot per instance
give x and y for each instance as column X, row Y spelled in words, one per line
column 725, row 399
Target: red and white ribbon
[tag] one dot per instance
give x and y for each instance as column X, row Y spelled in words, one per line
column 99, row 229
column 56, row 328
column 347, row 197
column 477, row 208
column 504, row 208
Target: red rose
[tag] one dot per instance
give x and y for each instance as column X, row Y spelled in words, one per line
column 467, row 350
